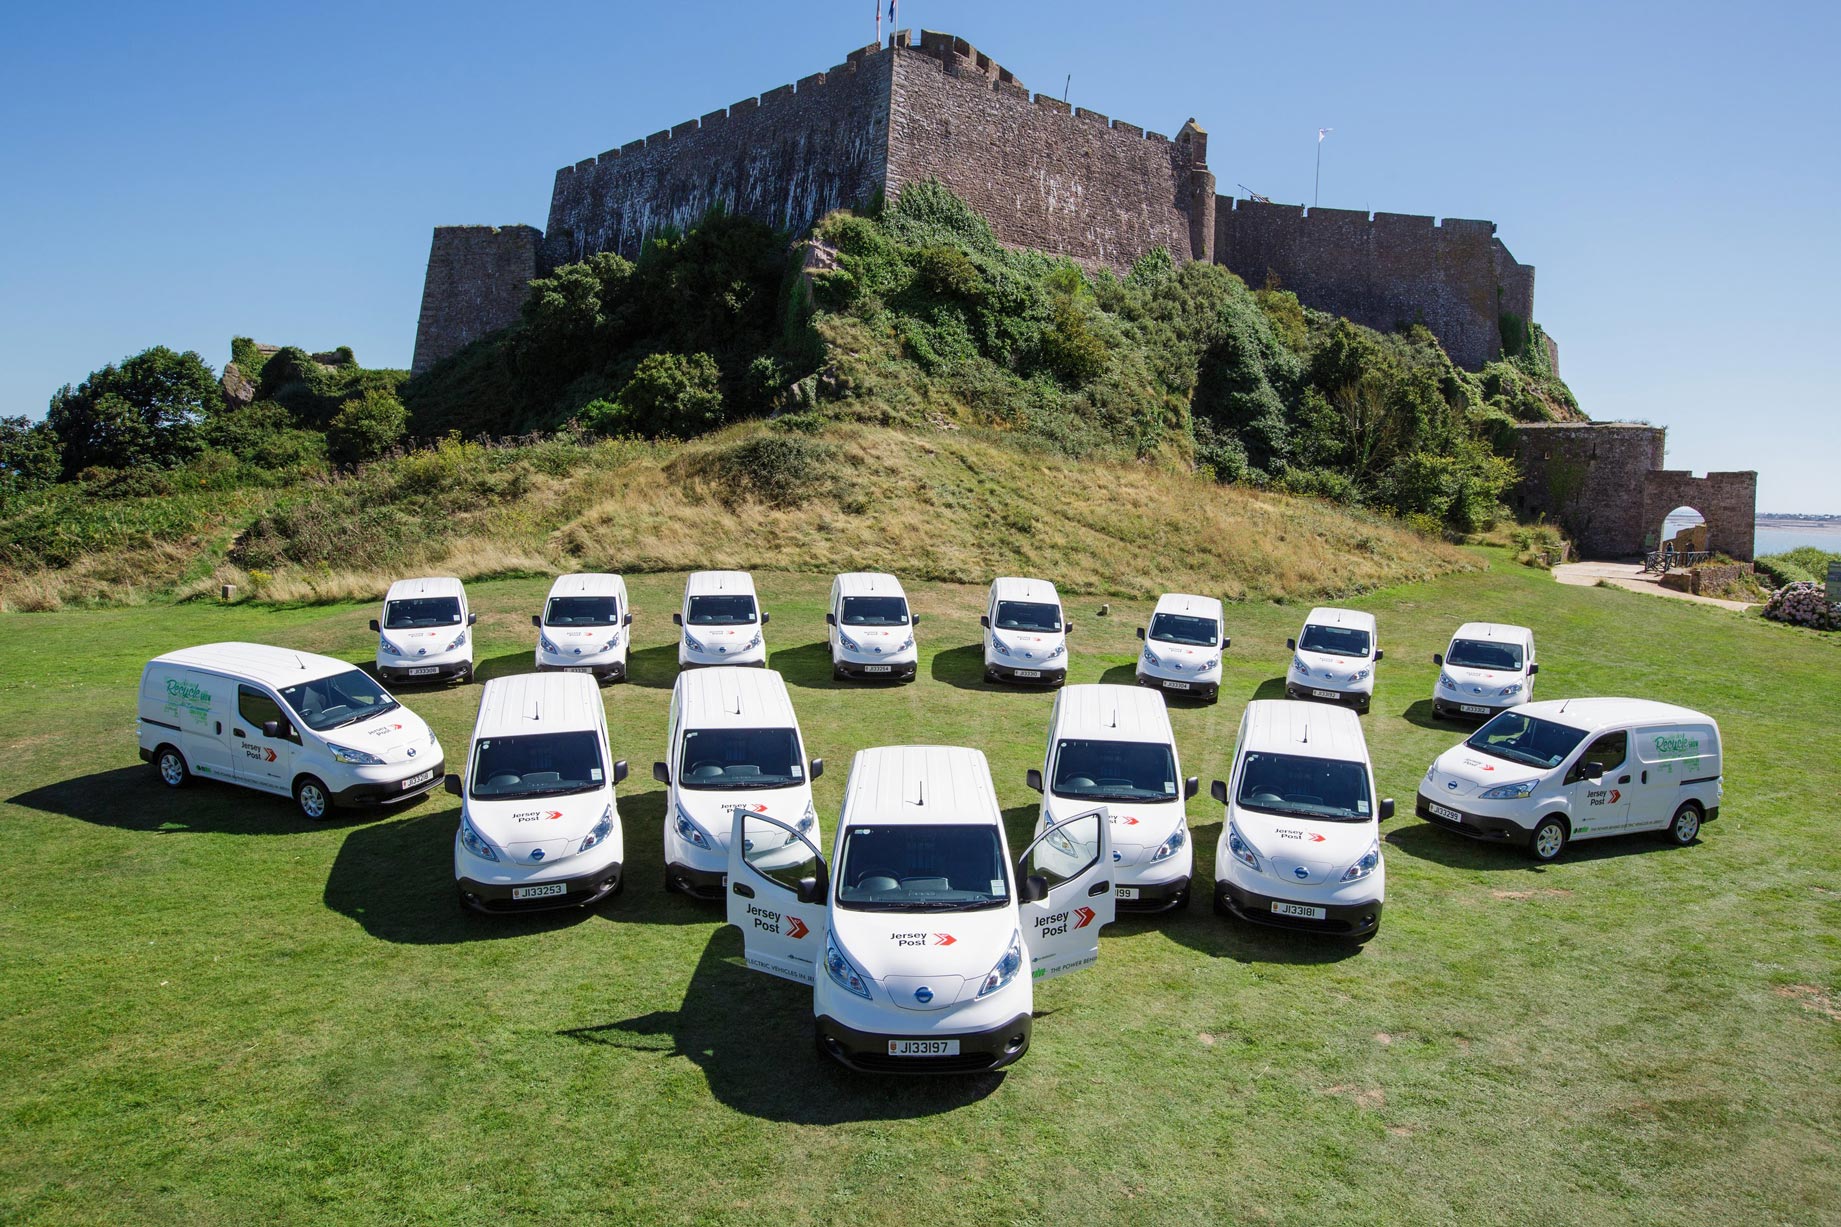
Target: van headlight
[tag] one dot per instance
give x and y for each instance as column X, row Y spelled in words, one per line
column 600, row 831
column 459, row 641
column 390, row 649
column 1171, row 846
column 906, row 643
column 543, row 641
column 611, row 644
column 357, row 758
column 1446, row 680
column 1003, row 649
column 1371, row 861
column 1208, row 664
column 431, row 738
column 1509, row 792
column 1242, row 850
column 474, row 842
column 1513, row 688
column 809, row 820
column 842, row 973
column 847, row 643
column 753, row 643
column 1297, row 662
column 1360, row 675
column 691, row 833
column 692, row 642
column 1149, row 657
column 1006, row 968
column 1061, row 649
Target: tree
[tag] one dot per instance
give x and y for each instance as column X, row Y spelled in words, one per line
column 28, row 456
column 366, row 427
column 673, row 394
column 142, row 414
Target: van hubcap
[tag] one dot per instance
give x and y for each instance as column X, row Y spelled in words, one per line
column 170, row 769
column 312, row 801
column 1547, row 843
column 1687, row 825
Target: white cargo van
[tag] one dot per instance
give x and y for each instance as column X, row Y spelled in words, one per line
column 924, row 951
column 1301, row 846
column 871, row 628
column 1489, row 666
column 538, row 824
column 722, row 622
column 1183, row 646
column 425, row 634
column 1544, row 774
column 1113, row 745
column 1025, row 633
column 583, row 627
column 285, row 722
column 1333, row 658
column 733, row 745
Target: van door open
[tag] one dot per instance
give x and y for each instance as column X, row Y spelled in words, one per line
column 778, row 885
column 1071, row 865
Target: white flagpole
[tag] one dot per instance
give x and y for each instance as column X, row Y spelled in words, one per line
column 1316, row 186
column 878, row 23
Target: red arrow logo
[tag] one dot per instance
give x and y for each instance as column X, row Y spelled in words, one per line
column 944, row 939
column 1130, row 822
column 1615, row 794
column 554, row 814
column 271, row 755
column 1315, row 838
column 1085, row 915
column 796, row 928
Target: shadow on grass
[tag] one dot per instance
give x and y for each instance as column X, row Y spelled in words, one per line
column 1420, row 716
column 508, row 665
column 1228, row 937
column 1120, row 675
column 962, row 666
column 1271, row 688
column 760, row 1059
column 134, row 799
column 654, row 667
column 807, row 665
column 1433, row 843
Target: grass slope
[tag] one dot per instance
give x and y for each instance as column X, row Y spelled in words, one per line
column 217, row 1013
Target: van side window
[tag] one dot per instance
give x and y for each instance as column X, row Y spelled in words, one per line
column 258, row 709
column 1609, row 751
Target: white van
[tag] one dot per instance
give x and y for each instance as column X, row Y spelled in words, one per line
column 1544, row 774
column 1113, row 745
column 1025, row 633
column 722, row 622
column 538, row 823
column 583, row 627
column 1183, row 646
column 734, row 744
column 1333, row 658
column 286, row 722
column 871, row 628
column 1301, row 846
column 924, row 952
column 1489, row 666
column 425, row 634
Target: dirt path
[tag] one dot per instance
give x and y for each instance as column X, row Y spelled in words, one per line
column 1630, row 575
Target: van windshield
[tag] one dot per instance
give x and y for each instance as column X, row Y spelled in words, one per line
column 1114, row 771
column 416, row 613
column 582, row 611
column 1334, row 640
column 333, row 702
column 875, row 611
column 1484, row 654
column 721, row 610
column 537, row 765
column 1028, row 616
column 1527, row 740
column 1185, row 629
column 1324, row 789
column 730, row 759
column 910, row 868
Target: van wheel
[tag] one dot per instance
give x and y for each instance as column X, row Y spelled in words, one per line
column 171, row 766
column 1685, row 827
column 1548, row 840
column 312, row 798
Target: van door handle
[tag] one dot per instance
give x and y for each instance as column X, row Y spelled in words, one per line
column 1100, row 888
column 220, row 728
column 1623, row 779
column 744, row 890
column 1646, row 777
column 238, row 733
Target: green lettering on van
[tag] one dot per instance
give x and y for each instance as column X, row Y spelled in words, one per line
column 1677, row 743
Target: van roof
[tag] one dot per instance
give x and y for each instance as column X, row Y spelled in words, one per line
column 1017, row 588
column 1187, row 603
column 1494, row 630
column 426, row 585
column 919, row 785
column 272, row 666
column 588, row 583
column 709, row 583
column 1313, row 730
column 538, row 703
column 1329, row 615
column 1594, row 714
column 868, row 583
column 1106, row 712
column 734, row 696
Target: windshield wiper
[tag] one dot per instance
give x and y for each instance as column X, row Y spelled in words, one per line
column 363, row 715
column 563, row 791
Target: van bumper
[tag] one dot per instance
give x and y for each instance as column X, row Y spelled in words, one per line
column 585, row 891
column 979, row 1051
column 1153, row 896
column 414, row 674
column 614, row 672
column 889, row 671
column 1184, row 689
column 1490, row 830
column 391, row 792
column 1339, row 920
column 1358, row 699
column 1044, row 677
column 1445, row 709
column 697, row 883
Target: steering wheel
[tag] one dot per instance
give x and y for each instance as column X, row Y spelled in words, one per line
column 877, row 872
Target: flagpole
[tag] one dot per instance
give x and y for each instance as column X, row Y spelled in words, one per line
column 1318, row 183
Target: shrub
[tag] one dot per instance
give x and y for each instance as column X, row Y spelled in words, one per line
column 141, row 414
column 1804, row 564
column 264, row 436
column 1804, row 605
column 673, row 394
column 779, row 469
column 367, row 427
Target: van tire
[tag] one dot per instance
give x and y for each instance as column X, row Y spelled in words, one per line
column 311, row 796
column 1684, row 828
column 1548, row 839
column 171, row 767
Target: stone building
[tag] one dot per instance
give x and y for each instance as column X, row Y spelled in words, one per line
column 1070, row 181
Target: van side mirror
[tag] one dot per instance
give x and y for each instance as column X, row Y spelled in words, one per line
column 628, row 621
column 1438, row 658
column 1387, row 808
column 1033, row 778
column 766, row 617
column 271, row 728
column 472, row 619
column 1067, row 628
column 1378, row 653
column 1291, row 644
column 1592, row 771
column 1032, row 889
column 813, row 890
column 1191, row 786
column 452, row 784
column 984, row 620
column 677, row 619
column 830, row 619
column 1533, row 669
column 1140, row 632
column 913, row 619
column 1227, row 641
column 661, row 772
column 620, row 771
column 374, row 625
column 536, row 619
column 815, row 769
column 1218, row 790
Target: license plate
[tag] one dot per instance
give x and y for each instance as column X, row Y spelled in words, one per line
column 878, row 668
column 577, row 669
column 923, row 1048
column 1442, row 812
column 1029, row 673
column 1325, row 694
column 1473, row 709
column 1303, row 910
column 413, row 780
column 540, row 892
column 424, row 671
column 1125, row 892
column 1176, row 685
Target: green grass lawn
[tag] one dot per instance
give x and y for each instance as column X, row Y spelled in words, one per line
column 216, row 1012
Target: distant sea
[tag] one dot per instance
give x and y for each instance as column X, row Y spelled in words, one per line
column 1776, row 536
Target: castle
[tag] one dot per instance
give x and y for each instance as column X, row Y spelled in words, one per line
column 1058, row 179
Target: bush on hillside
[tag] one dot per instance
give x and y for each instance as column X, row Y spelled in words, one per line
column 29, row 458
column 264, row 436
column 1805, row 564
column 367, row 427
column 144, row 413
column 672, row 394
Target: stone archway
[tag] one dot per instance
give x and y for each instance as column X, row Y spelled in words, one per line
column 1684, row 528
column 1728, row 502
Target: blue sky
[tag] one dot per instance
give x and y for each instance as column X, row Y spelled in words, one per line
column 183, row 173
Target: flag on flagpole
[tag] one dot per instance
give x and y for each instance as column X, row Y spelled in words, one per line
column 879, row 21
column 1323, row 132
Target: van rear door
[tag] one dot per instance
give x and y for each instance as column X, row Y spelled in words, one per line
column 1673, row 761
column 1062, row 928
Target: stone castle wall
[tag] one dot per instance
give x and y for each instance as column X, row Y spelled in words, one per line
column 478, row 278
column 1385, row 271
column 1728, row 502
